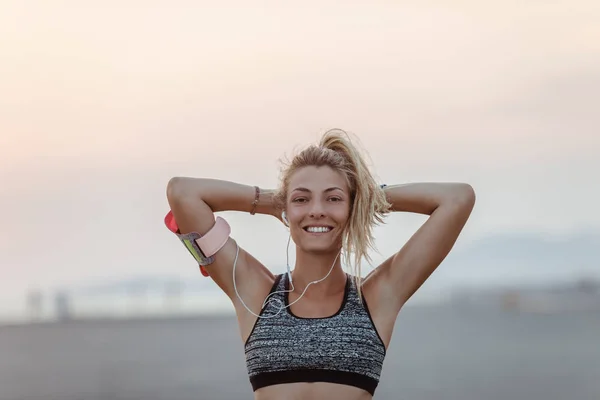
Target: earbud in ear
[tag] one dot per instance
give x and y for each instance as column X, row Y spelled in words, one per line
column 284, row 218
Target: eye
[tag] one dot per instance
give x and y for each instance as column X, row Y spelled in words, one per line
column 334, row 199
column 299, row 200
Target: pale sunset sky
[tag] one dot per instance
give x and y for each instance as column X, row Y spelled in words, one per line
column 101, row 102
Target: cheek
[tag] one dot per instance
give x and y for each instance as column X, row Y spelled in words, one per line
column 297, row 234
column 293, row 216
column 341, row 215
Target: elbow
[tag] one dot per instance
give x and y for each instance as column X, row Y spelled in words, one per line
column 178, row 189
column 469, row 192
column 461, row 195
column 466, row 195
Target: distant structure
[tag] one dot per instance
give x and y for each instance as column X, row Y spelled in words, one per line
column 138, row 296
column 173, row 291
column 35, row 304
column 588, row 285
column 582, row 295
column 62, row 304
column 510, row 300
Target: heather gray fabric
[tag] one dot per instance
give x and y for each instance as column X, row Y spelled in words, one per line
column 343, row 348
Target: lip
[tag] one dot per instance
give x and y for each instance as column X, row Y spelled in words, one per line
column 318, row 233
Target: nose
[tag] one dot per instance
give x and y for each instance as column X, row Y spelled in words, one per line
column 317, row 210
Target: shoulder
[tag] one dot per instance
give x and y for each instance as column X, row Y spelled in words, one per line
column 378, row 295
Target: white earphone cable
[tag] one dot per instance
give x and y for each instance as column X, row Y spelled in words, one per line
column 281, row 308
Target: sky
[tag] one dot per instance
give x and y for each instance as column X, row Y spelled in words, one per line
column 101, row 103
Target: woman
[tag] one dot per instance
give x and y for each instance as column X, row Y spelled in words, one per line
column 317, row 331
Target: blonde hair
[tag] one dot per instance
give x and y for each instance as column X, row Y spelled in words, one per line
column 368, row 201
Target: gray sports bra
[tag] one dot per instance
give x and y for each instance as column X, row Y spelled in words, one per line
column 344, row 348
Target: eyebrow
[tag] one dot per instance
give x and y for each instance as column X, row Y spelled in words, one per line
column 303, row 189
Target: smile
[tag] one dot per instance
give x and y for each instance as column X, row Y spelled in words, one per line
column 318, row 229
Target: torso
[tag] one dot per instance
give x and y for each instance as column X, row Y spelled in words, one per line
column 305, row 391
column 310, row 309
column 384, row 321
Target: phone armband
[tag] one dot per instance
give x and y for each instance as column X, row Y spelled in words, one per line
column 202, row 247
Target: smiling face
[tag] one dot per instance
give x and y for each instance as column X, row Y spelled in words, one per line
column 318, row 208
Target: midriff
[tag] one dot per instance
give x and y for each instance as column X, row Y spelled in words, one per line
column 311, row 391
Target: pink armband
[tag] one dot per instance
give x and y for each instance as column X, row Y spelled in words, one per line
column 202, row 247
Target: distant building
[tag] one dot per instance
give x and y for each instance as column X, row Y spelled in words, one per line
column 35, row 304
column 588, row 286
column 62, row 306
column 583, row 295
column 172, row 294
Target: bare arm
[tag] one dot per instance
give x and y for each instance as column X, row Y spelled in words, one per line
column 221, row 195
column 194, row 201
column 449, row 206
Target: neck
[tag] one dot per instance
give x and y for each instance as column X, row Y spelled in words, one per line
column 312, row 267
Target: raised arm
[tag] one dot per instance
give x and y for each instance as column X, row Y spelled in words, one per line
column 194, row 201
column 449, row 206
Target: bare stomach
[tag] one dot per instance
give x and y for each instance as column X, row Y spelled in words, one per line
column 316, row 390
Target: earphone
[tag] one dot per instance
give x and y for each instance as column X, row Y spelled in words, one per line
column 287, row 223
column 284, row 218
column 279, row 291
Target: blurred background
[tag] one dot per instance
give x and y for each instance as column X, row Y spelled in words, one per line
column 101, row 103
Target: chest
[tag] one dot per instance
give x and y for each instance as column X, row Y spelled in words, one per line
column 315, row 308
column 346, row 342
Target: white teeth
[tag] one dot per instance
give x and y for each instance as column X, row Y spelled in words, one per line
column 318, row 229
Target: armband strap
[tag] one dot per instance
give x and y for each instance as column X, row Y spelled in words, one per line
column 202, row 247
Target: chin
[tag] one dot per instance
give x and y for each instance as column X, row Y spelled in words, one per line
column 325, row 245
column 324, row 248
